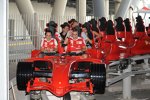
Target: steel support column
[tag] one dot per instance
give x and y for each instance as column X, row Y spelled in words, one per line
column 25, row 7
column 81, row 10
column 4, row 50
column 29, row 17
column 99, row 8
column 117, row 5
column 123, row 8
column 107, row 9
column 127, row 84
column 58, row 10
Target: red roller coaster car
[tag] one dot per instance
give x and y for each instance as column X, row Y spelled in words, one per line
column 62, row 73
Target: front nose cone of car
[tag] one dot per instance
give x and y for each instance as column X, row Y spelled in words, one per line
column 60, row 79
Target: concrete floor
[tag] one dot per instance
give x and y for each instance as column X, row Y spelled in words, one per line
column 136, row 95
column 12, row 70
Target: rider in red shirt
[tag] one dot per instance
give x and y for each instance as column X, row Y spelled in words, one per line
column 75, row 43
column 48, row 43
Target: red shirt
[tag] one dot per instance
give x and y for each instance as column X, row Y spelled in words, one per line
column 52, row 43
column 58, row 37
column 75, row 44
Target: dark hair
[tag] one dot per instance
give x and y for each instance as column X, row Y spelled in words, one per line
column 139, row 25
column 138, row 18
column 103, row 23
column 119, row 26
column 127, row 24
column 80, row 25
column 77, row 29
column 47, row 30
column 52, row 27
column 88, row 27
column 72, row 20
column 53, row 24
column 110, row 29
column 64, row 25
column 93, row 23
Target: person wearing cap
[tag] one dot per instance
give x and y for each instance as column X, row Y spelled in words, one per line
column 48, row 44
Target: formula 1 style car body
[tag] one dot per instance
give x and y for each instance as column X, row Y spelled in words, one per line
column 62, row 73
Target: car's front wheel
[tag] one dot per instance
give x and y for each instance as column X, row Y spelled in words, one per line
column 98, row 78
column 67, row 97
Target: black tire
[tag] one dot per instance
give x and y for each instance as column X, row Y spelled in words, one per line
column 24, row 74
column 149, row 61
column 83, row 65
column 67, row 96
column 98, row 78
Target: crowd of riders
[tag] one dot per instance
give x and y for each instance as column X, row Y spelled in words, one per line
column 77, row 37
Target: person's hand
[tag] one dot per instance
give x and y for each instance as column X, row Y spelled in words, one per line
column 84, row 56
column 49, row 49
column 42, row 49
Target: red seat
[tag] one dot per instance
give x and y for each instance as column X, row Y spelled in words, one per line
column 114, row 50
column 139, row 35
column 109, row 38
column 129, row 39
column 120, row 34
column 142, row 45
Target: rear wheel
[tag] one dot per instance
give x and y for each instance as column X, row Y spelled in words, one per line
column 67, row 97
column 83, row 65
column 98, row 78
column 24, row 74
